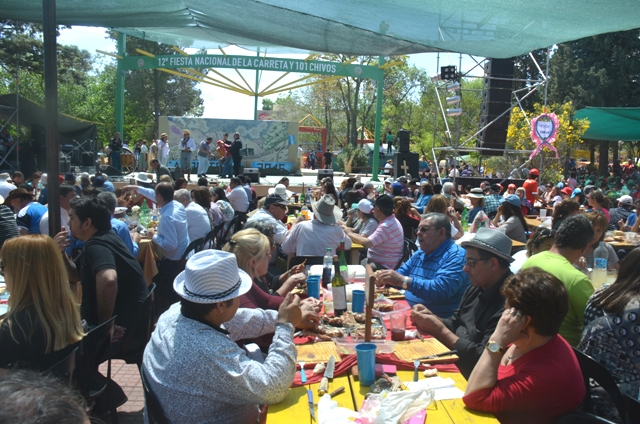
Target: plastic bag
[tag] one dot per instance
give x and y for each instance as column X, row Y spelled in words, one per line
column 330, row 413
column 397, row 407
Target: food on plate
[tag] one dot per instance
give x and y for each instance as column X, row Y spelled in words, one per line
column 383, row 306
column 377, row 333
column 152, row 224
column 346, row 320
column 430, row 372
column 388, row 291
column 360, row 318
column 324, row 333
column 300, row 289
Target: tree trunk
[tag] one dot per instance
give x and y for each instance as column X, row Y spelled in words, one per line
column 604, row 158
column 592, row 153
column 614, row 148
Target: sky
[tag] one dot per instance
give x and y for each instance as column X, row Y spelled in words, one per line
column 224, row 104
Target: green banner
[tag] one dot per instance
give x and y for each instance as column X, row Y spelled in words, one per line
column 247, row 62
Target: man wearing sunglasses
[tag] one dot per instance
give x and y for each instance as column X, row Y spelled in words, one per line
column 433, row 276
column 468, row 329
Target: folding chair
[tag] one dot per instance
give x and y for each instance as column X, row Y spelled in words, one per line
column 64, row 368
column 154, row 410
column 136, row 338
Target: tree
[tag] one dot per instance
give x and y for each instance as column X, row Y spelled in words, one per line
column 152, row 93
column 519, row 138
column 267, row 104
column 600, row 71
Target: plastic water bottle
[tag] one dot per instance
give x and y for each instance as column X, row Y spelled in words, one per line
column 155, row 217
column 307, row 199
column 304, row 211
column 144, row 214
column 600, row 265
column 327, row 267
column 465, row 219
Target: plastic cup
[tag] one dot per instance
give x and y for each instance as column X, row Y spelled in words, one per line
column 543, row 212
column 629, row 237
column 366, row 356
column 352, row 276
column 357, row 300
column 398, row 324
column 313, row 287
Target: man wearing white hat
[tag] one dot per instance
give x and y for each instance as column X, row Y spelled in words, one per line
column 5, row 186
column 312, row 238
column 192, row 362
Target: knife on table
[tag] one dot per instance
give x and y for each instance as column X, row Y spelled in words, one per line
column 310, row 398
column 328, row 373
column 438, row 355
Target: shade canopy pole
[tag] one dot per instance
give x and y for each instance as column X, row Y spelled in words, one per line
column 122, row 46
column 378, row 131
column 49, row 32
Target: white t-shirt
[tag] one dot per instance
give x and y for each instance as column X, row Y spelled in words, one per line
column 44, row 221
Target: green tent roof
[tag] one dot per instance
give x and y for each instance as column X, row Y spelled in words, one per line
column 611, row 123
column 495, row 28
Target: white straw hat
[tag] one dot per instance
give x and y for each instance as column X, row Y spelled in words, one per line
column 43, row 179
column 212, row 276
column 326, row 210
column 5, row 176
column 143, row 178
column 281, row 190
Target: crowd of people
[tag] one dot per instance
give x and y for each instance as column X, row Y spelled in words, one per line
column 223, row 342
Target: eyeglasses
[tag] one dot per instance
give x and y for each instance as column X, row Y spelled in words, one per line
column 423, row 229
column 472, row 262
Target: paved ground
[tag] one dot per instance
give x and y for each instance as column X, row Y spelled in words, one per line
column 128, row 377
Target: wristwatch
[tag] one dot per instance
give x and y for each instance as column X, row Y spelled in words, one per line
column 405, row 283
column 494, row 347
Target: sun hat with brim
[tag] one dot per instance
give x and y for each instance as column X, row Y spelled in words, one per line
column 326, row 211
column 274, row 199
column 143, row 178
column 5, row 176
column 476, row 193
column 567, row 190
column 15, row 193
column 365, row 206
column 492, row 241
column 389, row 180
column 512, row 199
column 212, row 276
column 281, row 190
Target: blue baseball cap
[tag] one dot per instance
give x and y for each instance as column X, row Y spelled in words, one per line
column 576, row 191
column 512, row 199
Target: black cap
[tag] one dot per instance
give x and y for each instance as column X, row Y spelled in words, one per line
column 274, row 199
column 384, row 201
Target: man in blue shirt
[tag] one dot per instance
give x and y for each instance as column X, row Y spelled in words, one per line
column 433, row 276
column 172, row 238
column 119, row 227
column 28, row 212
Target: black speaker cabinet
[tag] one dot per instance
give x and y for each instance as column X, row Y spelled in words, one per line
column 87, row 159
column 110, row 170
column 253, row 174
column 323, row 173
column 496, row 99
column 404, row 140
column 405, row 163
column 175, row 172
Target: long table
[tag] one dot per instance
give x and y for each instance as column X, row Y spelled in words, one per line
column 295, row 407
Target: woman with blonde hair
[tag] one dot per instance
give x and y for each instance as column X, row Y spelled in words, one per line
column 253, row 252
column 439, row 203
column 44, row 316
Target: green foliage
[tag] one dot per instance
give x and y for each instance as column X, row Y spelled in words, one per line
column 351, row 156
column 267, row 104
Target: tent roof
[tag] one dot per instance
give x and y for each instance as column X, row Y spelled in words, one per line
column 495, row 28
column 611, row 123
column 32, row 113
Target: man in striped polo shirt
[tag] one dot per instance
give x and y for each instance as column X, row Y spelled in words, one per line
column 386, row 244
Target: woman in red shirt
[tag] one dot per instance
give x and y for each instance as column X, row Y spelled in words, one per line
column 528, row 373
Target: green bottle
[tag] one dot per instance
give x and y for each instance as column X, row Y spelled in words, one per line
column 465, row 219
column 144, row 214
column 342, row 260
column 339, row 290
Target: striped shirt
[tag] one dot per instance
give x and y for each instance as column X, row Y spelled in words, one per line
column 437, row 280
column 388, row 243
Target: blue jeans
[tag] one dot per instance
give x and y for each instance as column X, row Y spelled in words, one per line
column 115, row 161
column 226, row 167
column 203, row 164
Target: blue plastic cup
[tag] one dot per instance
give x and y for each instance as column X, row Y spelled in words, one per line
column 366, row 355
column 313, row 287
column 357, row 300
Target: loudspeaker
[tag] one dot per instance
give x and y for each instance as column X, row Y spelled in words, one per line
column 65, row 165
column 496, row 99
column 404, row 137
column 87, row 159
column 405, row 163
column 253, row 174
column 175, row 172
column 110, row 170
column 323, row 173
